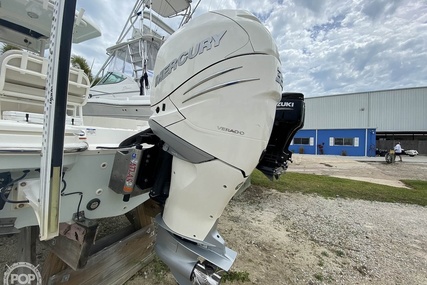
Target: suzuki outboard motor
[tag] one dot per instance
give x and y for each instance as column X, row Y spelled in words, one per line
column 217, row 82
column 289, row 119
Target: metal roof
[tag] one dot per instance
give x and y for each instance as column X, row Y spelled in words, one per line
column 396, row 110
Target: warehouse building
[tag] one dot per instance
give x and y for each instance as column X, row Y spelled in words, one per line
column 359, row 123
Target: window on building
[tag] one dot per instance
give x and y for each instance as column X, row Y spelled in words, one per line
column 344, row 141
column 305, row 141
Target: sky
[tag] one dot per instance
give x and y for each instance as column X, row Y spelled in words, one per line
column 326, row 47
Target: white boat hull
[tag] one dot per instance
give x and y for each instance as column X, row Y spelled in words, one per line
column 118, row 109
column 86, row 173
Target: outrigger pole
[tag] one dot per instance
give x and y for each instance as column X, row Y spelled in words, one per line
column 54, row 121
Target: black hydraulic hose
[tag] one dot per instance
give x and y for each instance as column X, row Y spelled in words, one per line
column 3, row 195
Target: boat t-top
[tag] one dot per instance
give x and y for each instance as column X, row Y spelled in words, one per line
column 122, row 89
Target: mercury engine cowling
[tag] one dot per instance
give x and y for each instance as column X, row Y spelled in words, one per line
column 289, row 119
column 217, row 82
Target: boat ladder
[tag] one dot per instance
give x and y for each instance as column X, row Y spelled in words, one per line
column 136, row 57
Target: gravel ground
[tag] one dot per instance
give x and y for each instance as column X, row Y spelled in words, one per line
column 290, row 238
column 312, row 240
column 370, row 169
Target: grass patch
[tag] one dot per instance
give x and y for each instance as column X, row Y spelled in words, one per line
column 324, row 253
column 327, row 186
column 339, row 253
column 318, row 276
column 159, row 268
column 415, row 184
column 231, row 276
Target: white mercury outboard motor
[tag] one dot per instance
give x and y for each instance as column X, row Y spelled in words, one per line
column 216, row 85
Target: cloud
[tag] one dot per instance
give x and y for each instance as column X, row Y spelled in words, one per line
column 326, row 47
column 379, row 9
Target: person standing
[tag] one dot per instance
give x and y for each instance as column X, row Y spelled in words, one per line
column 398, row 150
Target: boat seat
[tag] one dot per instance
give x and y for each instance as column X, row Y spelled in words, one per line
column 23, row 80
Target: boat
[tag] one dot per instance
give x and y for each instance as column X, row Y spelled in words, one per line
column 89, row 150
column 218, row 113
column 123, row 90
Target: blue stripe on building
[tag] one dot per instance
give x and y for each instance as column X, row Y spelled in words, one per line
column 351, row 142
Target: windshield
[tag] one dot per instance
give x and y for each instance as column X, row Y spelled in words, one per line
column 129, row 60
column 111, row 78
